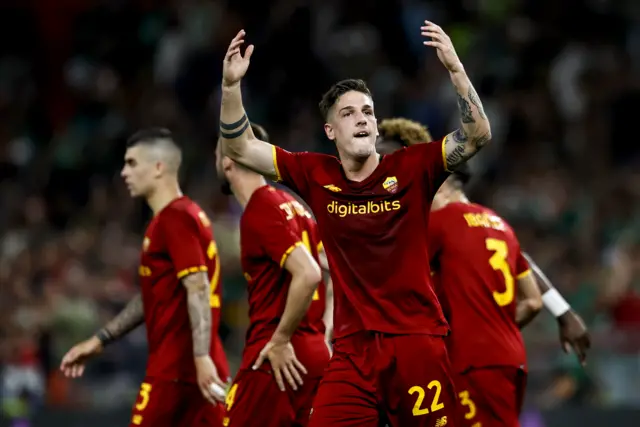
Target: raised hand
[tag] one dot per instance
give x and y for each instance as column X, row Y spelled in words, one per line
column 441, row 41
column 74, row 362
column 235, row 64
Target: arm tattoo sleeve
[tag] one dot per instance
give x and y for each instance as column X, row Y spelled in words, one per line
column 466, row 114
column 475, row 100
column 197, row 286
column 127, row 320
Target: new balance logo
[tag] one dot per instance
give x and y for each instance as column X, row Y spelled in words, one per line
column 333, row 188
column 441, row 422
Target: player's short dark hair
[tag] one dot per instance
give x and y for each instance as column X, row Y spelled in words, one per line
column 149, row 135
column 337, row 90
column 462, row 175
column 259, row 132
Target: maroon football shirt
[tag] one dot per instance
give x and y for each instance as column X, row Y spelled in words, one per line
column 477, row 260
column 178, row 242
column 375, row 235
column 272, row 226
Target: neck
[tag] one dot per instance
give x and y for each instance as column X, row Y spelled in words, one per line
column 244, row 183
column 359, row 169
column 459, row 197
column 162, row 196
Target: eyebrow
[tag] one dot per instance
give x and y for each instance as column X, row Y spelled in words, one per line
column 351, row 107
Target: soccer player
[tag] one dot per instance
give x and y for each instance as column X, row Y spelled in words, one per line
column 285, row 342
column 478, row 263
column 179, row 301
column 389, row 357
column 398, row 133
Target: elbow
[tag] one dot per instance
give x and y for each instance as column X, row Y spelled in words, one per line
column 233, row 148
column 310, row 277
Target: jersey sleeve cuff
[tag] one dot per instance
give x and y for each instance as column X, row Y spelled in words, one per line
column 288, row 252
column 444, row 154
column 524, row 274
column 191, row 270
column 274, row 154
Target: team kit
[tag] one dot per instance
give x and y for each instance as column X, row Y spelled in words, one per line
column 386, row 298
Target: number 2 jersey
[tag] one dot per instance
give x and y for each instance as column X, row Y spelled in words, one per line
column 476, row 260
column 178, row 242
column 272, row 226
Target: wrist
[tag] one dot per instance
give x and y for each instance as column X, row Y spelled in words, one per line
column 555, row 303
column 228, row 86
column 457, row 69
column 280, row 337
column 103, row 338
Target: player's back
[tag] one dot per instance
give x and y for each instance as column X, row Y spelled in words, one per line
column 272, row 226
column 477, row 260
column 178, row 242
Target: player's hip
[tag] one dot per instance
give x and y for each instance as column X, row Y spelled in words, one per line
column 169, row 403
column 491, row 395
column 254, row 392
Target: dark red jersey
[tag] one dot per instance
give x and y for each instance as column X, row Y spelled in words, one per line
column 477, row 260
column 375, row 235
column 177, row 242
column 272, row 226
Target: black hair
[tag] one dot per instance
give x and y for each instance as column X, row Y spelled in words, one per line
column 337, row 90
column 259, row 132
column 150, row 135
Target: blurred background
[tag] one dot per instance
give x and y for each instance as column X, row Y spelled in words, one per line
column 560, row 83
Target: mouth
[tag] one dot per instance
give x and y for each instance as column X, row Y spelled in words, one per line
column 361, row 134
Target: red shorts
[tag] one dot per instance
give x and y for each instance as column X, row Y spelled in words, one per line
column 491, row 396
column 163, row 403
column 373, row 378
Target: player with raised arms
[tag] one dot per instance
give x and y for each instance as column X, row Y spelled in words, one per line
column 389, row 356
column 179, row 302
column 280, row 253
column 487, row 292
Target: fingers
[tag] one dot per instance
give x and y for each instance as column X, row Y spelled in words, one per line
column 236, row 44
column 299, row 366
column 437, row 45
column 290, row 376
column 261, row 357
column 208, row 393
column 248, row 52
column 73, row 370
column 279, row 381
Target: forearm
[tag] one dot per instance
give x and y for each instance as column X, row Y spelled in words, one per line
column 131, row 316
column 551, row 298
column 235, row 129
column 299, row 299
column 526, row 311
column 475, row 124
column 328, row 310
column 197, row 286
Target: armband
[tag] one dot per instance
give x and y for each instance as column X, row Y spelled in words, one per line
column 555, row 303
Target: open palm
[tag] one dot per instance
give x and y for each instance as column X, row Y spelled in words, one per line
column 235, row 64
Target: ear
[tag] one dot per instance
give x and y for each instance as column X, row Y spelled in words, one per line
column 377, row 128
column 159, row 169
column 329, row 131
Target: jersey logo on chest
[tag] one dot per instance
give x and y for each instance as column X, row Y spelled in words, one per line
column 333, row 188
column 390, row 184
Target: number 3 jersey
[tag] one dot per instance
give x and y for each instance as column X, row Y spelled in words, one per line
column 476, row 260
column 272, row 226
column 178, row 242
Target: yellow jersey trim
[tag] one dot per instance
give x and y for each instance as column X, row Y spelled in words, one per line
column 274, row 154
column 191, row 270
column 524, row 274
column 288, row 252
column 444, row 153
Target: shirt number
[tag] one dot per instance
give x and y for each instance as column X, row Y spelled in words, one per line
column 212, row 252
column 498, row 262
column 435, row 404
column 291, row 209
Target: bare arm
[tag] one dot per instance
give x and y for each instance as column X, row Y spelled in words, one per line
column 131, row 316
column 197, row 286
column 530, row 304
column 475, row 131
column 238, row 140
column 305, row 277
column 327, row 317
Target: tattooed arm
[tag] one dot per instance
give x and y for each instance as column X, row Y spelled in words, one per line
column 126, row 321
column 474, row 132
column 197, row 286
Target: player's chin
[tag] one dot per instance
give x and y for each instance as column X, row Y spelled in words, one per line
column 362, row 147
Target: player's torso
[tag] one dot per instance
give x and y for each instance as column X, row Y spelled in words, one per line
column 476, row 274
column 164, row 297
column 267, row 281
column 374, row 233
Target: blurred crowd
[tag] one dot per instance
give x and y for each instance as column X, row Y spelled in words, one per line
column 559, row 81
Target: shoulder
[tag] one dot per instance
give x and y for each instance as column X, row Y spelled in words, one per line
column 183, row 210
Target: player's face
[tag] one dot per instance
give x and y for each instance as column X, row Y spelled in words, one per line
column 140, row 171
column 352, row 125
